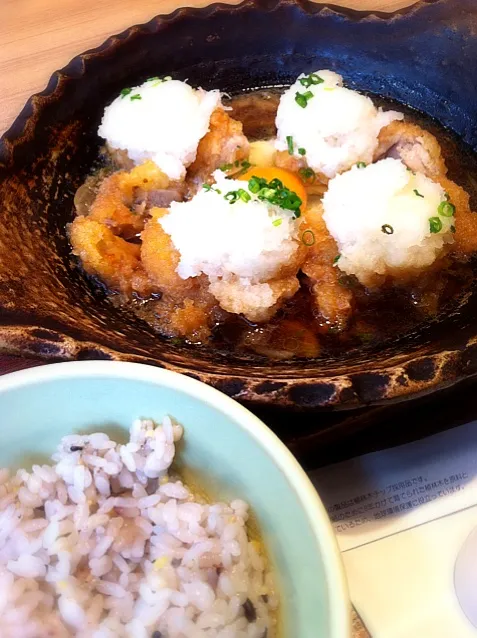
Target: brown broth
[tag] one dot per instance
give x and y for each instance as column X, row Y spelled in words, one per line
column 379, row 317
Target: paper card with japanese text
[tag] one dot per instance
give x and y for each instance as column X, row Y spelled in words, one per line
column 386, row 492
column 406, row 522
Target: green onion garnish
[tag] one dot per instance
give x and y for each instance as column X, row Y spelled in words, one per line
column 275, row 183
column 387, row 229
column 336, row 259
column 244, row 196
column 308, row 237
column 231, row 197
column 277, row 222
column 157, row 80
column 274, row 192
column 255, row 184
column 417, row 193
column 308, row 174
column 290, row 144
column 446, row 209
column 234, row 196
column 208, row 187
column 244, row 166
column 266, row 193
column 435, row 224
column 136, row 96
column 302, row 151
column 361, row 164
column 302, row 98
column 125, row 92
column 313, row 78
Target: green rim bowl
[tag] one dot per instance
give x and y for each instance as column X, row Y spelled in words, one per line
column 227, row 448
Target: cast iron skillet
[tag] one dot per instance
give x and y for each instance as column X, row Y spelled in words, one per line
column 424, row 57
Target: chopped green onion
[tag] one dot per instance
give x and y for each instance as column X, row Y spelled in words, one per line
column 244, row 196
column 313, row 78
column 336, row 259
column 293, row 202
column 274, row 192
column 208, row 187
column 308, row 174
column 255, row 184
column 435, row 224
column 275, row 183
column 302, row 151
column 290, row 144
column 125, row 92
column 231, row 197
column 277, row 222
column 266, row 193
column 387, row 229
column 361, row 164
column 302, row 98
column 308, row 237
column 159, row 80
column 234, row 196
column 245, row 165
column 452, row 229
column 446, row 209
column 136, row 96
column 417, row 193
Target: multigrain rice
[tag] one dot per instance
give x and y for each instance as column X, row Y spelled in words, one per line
column 105, row 543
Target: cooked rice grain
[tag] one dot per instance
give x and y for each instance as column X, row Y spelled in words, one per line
column 105, row 544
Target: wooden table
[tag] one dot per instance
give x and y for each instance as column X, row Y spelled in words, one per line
column 39, row 36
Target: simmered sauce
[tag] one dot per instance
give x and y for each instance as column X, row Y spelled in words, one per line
column 390, row 313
